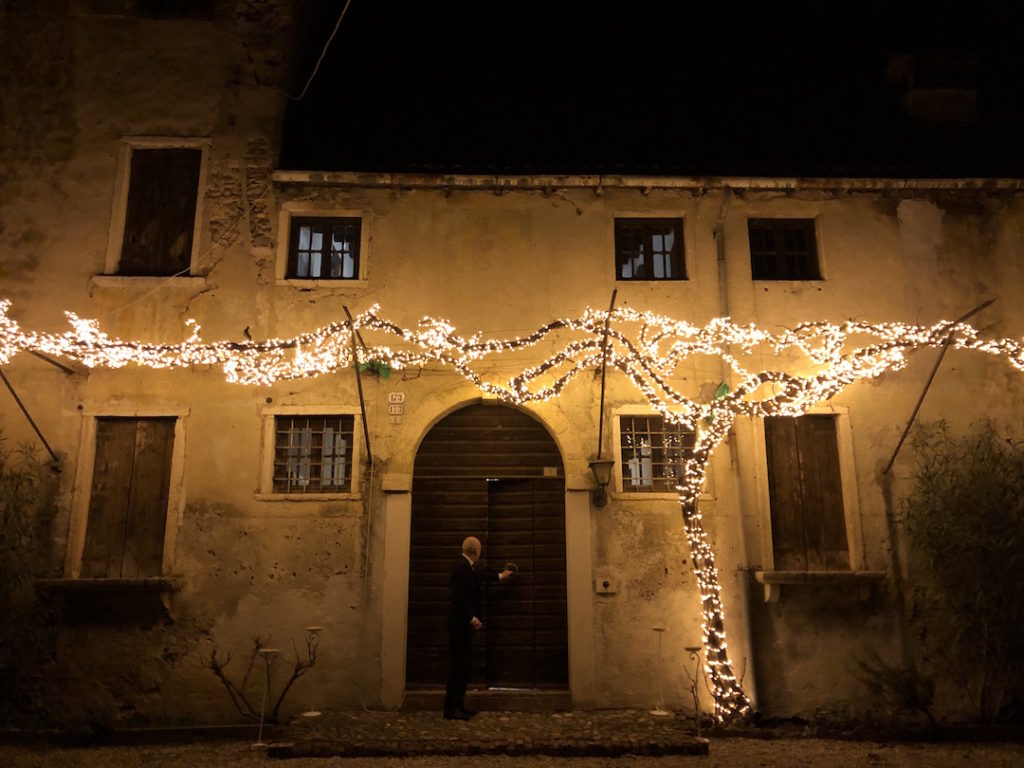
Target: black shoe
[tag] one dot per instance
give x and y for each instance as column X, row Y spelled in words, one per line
column 457, row 715
column 467, row 711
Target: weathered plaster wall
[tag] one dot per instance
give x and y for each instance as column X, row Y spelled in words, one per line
column 497, row 263
column 914, row 260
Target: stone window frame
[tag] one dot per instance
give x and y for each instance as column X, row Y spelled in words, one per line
column 295, row 210
column 265, row 491
column 115, row 239
column 778, row 209
column 85, row 466
column 616, row 489
column 684, row 247
column 808, row 224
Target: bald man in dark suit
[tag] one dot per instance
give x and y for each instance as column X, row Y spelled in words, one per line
column 463, row 624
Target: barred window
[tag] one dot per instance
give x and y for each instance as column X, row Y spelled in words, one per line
column 324, row 249
column 783, row 249
column 649, row 249
column 653, row 453
column 313, row 454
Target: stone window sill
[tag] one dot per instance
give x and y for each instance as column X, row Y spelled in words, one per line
column 289, row 497
column 147, row 584
column 655, row 496
column 860, row 582
column 320, row 285
column 149, row 282
column 115, row 601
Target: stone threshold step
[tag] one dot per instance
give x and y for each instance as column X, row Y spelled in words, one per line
column 493, row 700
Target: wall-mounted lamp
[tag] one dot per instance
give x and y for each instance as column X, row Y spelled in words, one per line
column 602, row 471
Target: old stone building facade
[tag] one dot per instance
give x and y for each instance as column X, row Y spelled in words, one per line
column 140, row 189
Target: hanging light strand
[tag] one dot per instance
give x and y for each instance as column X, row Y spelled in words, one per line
column 821, row 360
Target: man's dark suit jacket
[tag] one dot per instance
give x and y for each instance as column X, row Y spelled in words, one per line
column 465, row 600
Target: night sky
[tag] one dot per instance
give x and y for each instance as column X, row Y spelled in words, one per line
column 801, row 88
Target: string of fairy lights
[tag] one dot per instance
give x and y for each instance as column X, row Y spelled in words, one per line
column 649, row 349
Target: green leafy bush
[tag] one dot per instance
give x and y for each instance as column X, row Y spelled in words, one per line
column 28, row 492
column 965, row 520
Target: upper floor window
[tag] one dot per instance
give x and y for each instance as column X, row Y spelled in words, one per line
column 783, row 249
column 652, row 453
column 324, row 248
column 160, row 212
column 649, row 249
column 313, row 454
column 175, row 9
column 806, row 495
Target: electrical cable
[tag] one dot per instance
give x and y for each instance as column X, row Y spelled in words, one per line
column 323, row 53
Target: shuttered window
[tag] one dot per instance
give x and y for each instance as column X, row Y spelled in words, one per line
column 783, row 249
column 124, row 534
column 653, row 453
column 649, row 249
column 160, row 217
column 808, row 520
column 313, row 454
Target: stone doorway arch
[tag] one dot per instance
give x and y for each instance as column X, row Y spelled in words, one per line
column 494, row 472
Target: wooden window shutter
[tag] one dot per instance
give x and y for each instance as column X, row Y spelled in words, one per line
column 805, row 489
column 124, row 536
column 160, row 217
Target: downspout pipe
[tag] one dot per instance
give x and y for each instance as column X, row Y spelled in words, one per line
column 742, row 573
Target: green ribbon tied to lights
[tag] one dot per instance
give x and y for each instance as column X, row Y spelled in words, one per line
column 382, row 369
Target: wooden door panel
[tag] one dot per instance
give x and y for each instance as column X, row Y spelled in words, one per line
column 445, row 511
column 523, row 518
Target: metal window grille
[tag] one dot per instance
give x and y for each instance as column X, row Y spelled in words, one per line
column 313, row 454
column 649, row 249
column 783, row 249
column 324, row 249
column 653, row 453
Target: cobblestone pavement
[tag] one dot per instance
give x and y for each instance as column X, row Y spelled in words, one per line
column 724, row 753
column 608, row 739
column 567, row 734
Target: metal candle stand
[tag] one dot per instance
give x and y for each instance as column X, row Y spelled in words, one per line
column 268, row 655
column 312, row 643
column 660, row 710
column 694, row 652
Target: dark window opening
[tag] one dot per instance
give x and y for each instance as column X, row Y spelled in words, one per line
column 653, row 453
column 313, row 454
column 160, row 218
column 124, row 533
column 324, row 249
column 175, row 9
column 649, row 249
column 783, row 249
column 806, row 496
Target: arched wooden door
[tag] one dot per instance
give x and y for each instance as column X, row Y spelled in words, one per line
column 492, row 472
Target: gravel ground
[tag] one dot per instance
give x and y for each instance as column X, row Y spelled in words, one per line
column 726, row 752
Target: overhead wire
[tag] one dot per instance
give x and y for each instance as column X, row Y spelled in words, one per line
column 323, row 53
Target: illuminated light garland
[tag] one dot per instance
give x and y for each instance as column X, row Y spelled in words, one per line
column 636, row 340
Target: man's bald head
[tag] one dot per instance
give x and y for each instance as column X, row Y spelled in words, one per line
column 471, row 547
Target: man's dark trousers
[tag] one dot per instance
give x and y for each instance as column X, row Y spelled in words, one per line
column 465, row 604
